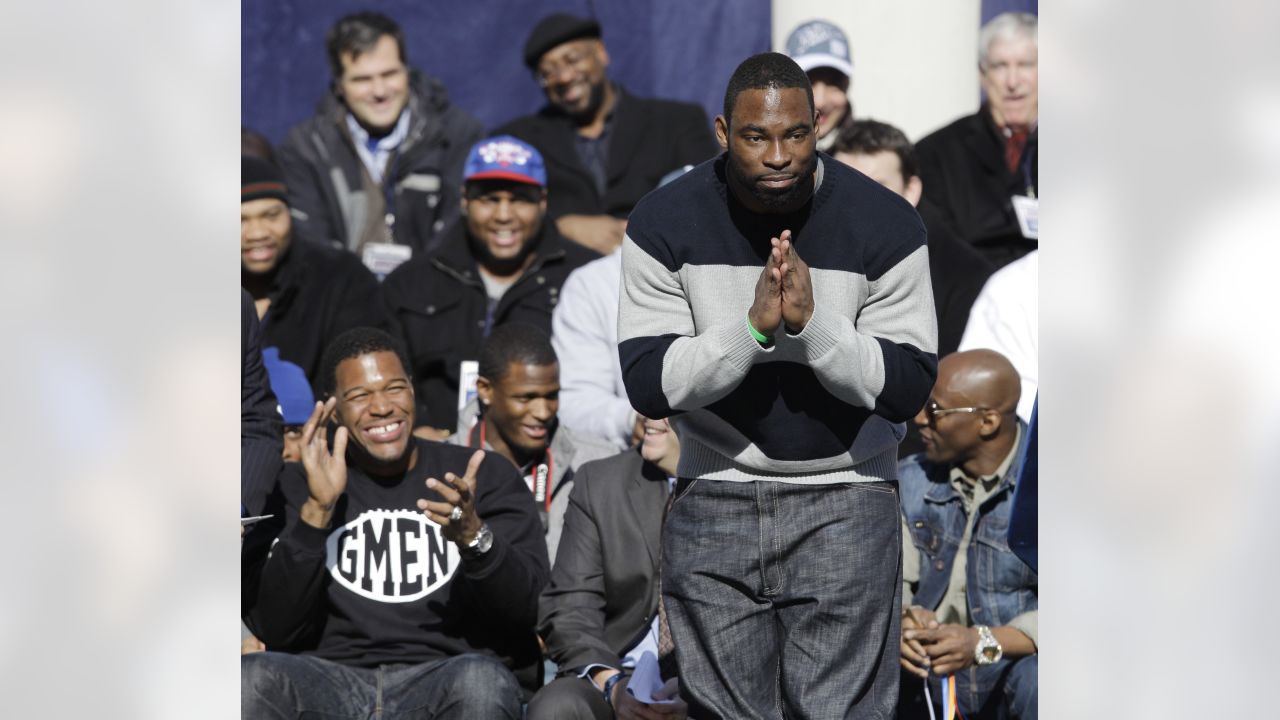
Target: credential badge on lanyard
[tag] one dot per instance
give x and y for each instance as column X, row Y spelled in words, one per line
column 540, row 474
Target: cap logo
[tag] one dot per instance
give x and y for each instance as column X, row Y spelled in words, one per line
column 813, row 35
column 505, row 153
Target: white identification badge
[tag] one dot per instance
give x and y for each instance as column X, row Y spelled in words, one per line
column 468, row 371
column 381, row 258
column 1028, row 210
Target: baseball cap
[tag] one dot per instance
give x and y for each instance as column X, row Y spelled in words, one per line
column 289, row 383
column 818, row 43
column 505, row 158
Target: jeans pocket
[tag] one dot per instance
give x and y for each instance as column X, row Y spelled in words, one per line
column 683, row 487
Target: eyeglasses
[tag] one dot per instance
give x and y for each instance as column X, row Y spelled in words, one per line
column 934, row 411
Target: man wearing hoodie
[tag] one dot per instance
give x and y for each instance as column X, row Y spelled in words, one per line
column 376, row 169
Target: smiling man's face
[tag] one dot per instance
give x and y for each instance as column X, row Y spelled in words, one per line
column 503, row 220
column 573, row 76
column 521, row 409
column 375, row 404
column 375, row 85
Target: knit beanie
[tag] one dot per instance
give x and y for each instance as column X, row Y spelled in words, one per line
column 261, row 179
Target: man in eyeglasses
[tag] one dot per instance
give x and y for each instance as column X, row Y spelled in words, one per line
column 971, row 604
column 605, row 148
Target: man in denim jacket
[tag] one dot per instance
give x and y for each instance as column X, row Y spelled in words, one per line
column 970, row 602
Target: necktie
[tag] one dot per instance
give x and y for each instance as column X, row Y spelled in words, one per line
column 1014, row 144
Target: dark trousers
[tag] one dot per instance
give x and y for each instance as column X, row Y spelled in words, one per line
column 783, row 599
column 282, row 685
column 569, row 698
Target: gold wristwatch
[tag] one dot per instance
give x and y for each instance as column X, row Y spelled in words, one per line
column 988, row 649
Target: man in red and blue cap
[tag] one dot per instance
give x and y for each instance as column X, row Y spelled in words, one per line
column 501, row 263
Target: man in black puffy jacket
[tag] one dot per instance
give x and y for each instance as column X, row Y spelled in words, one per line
column 503, row 263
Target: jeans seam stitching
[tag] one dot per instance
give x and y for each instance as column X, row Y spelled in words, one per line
column 764, row 565
column 777, row 547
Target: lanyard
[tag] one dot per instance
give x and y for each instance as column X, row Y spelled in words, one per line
column 950, row 708
column 1026, row 171
column 389, row 194
column 541, row 474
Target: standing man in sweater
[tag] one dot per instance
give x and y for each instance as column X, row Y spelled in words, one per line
column 776, row 306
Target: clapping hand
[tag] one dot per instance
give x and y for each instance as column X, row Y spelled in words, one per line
column 326, row 471
column 456, row 514
column 797, row 285
column 784, row 291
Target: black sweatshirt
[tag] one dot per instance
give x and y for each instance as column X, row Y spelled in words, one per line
column 381, row 586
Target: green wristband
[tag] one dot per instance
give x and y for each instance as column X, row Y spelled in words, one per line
column 759, row 336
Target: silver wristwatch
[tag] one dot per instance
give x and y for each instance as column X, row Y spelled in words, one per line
column 480, row 544
column 988, row 650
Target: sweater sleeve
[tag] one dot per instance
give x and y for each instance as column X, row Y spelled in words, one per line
column 584, row 333
column 291, row 584
column 885, row 361
column 513, row 573
column 668, row 365
column 260, row 429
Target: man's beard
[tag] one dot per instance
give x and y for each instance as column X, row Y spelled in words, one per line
column 503, row 266
column 595, row 99
column 786, row 199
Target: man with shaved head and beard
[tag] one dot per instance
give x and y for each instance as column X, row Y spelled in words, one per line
column 971, row 604
column 776, row 306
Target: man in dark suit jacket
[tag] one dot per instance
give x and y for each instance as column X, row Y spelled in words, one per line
column 261, row 435
column 604, row 147
column 974, row 167
column 601, row 607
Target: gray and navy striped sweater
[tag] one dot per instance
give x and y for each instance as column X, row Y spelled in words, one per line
column 823, row 406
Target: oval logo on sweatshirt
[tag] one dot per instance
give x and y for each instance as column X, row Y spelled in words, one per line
column 391, row 556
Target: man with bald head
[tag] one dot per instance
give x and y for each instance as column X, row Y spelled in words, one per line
column 970, row 603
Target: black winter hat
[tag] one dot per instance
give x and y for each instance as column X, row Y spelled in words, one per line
column 261, row 179
column 556, row 29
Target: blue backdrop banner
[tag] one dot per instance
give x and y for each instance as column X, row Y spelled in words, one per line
column 657, row 48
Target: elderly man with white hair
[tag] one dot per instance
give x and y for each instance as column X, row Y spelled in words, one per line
column 981, row 169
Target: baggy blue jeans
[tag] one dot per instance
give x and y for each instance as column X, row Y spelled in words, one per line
column 283, row 685
column 783, row 599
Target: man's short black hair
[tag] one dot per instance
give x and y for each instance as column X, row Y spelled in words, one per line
column 514, row 343
column 358, row 33
column 763, row 71
column 868, row 137
column 352, row 344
